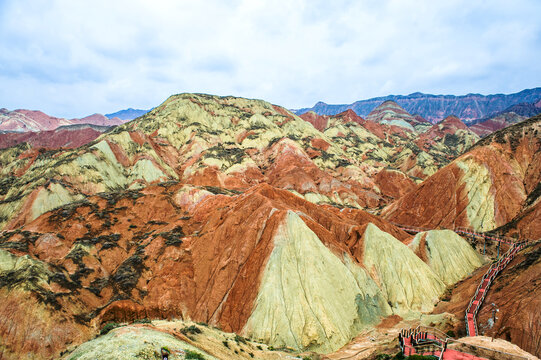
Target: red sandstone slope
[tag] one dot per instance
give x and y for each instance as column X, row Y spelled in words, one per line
column 166, row 251
column 485, row 188
column 64, row 137
column 319, row 121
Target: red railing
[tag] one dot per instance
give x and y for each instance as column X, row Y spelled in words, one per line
column 427, row 341
column 486, row 281
column 458, row 230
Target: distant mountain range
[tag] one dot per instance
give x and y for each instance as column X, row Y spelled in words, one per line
column 435, row 108
column 22, row 120
column 502, row 119
column 127, row 114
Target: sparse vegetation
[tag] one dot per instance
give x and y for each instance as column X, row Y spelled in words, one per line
column 194, row 355
column 240, row 339
column 108, row 327
column 192, row 329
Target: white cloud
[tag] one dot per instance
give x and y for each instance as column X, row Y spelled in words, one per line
column 72, row 58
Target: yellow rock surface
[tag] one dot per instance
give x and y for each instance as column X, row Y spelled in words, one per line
column 407, row 282
column 310, row 299
column 52, row 197
column 449, row 255
column 480, row 205
column 132, row 343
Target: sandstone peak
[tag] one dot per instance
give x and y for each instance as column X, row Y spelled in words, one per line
column 389, row 112
column 350, row 115
column 453, row 121
column 319, row 121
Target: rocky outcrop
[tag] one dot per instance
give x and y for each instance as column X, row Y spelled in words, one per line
column 181, row 339
column 134, row 342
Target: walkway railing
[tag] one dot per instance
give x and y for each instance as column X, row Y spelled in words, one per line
column 478, row 235
column 460, row 230
column 429, row 341
column 482, row 289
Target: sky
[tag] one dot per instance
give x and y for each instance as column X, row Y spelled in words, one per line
column 72, row 58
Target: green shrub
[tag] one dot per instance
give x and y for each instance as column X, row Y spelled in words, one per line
column 194, row 355
column 239, row 338
column 108, row 327
column 190, row 330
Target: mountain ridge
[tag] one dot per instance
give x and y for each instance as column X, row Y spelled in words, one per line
column 435, row 107
column 127, row 114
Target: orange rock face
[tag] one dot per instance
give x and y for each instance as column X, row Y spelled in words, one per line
column 394, row 184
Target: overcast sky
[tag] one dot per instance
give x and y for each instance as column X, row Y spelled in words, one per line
column 72, row 58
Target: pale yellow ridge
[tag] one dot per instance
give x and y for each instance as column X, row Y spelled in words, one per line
column 449, row 255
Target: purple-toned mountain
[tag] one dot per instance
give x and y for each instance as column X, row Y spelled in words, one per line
column 435, row 108
column 127, row 114
column 509, row 116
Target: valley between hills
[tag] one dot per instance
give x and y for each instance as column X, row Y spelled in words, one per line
column 232, row 228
